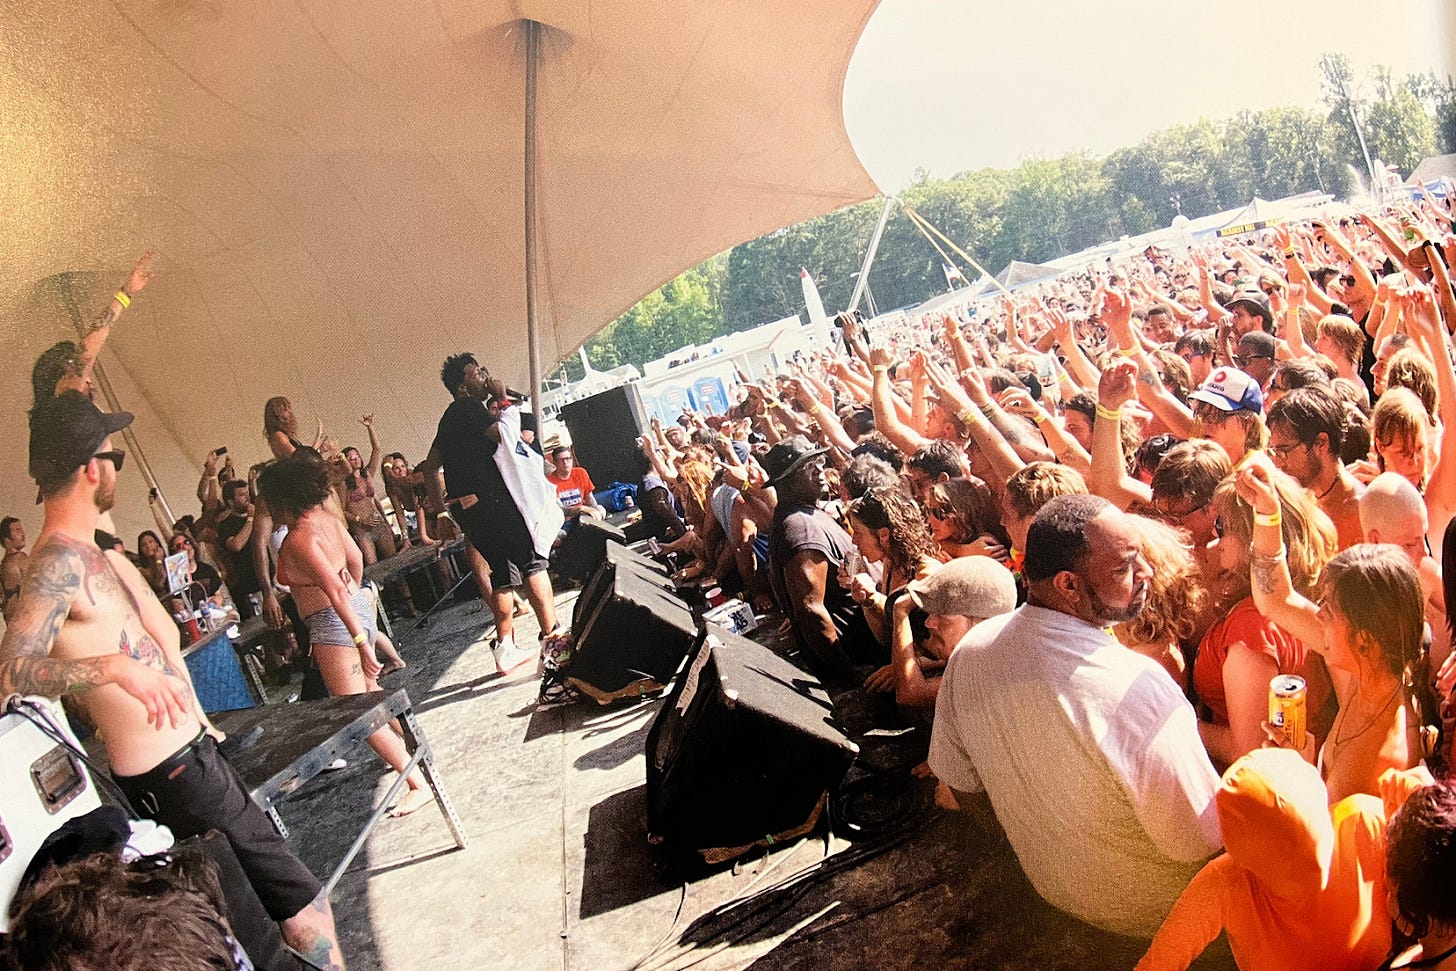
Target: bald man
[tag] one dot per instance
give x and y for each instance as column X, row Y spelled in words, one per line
column 1392, row 511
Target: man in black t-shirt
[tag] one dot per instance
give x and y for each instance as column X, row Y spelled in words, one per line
column 234, row 531
column 806, row 549
column 465, row 446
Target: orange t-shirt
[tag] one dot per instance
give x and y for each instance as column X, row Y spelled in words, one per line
column 1245, row 624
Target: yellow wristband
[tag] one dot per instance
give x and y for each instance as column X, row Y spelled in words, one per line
column 968, row 416
column 360, row 640
column 1039, row 416
column 122, row 299
column 880, row 367
column 1111, row 414
column 1289, row 253
column 1273, row 519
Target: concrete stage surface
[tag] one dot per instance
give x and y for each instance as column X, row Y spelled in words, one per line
column 558, row 873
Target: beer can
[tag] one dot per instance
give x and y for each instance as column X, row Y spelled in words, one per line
column 1287, row 694
column 255, row 600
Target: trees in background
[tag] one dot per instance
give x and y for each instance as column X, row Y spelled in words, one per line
column 1045, row 208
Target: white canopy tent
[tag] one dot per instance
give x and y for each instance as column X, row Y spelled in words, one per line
column 336, row 191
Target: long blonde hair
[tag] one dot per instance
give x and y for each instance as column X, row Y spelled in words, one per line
column 1309, row 535
column 1175, row 593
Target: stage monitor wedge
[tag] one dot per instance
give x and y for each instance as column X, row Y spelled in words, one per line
column 743, row 752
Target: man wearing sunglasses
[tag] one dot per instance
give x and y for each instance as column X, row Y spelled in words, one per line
column 89, row 627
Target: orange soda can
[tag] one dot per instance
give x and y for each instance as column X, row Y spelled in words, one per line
column 1287, row 694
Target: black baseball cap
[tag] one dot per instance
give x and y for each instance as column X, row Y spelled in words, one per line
column 65, row 432
column 784, row 458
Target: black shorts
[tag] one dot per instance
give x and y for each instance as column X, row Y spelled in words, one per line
column 197, row 790
column 500, row 535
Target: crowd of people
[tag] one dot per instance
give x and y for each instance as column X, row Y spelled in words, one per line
column 1081, row 532
column 1086, row 528
column 92, row 622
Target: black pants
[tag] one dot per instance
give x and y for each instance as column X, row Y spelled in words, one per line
column 196, row 790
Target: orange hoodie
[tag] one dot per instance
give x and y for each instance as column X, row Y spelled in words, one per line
column 1301, row 884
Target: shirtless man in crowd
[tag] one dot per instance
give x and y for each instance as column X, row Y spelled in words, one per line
column 12, row 568
column 89, row 627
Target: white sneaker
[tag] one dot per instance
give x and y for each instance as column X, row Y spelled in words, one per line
column 509, row 656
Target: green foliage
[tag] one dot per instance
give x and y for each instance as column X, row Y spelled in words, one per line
column 1044, row 208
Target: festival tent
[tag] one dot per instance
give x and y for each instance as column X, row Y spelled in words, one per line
column 337, row 191
column 1017, row 274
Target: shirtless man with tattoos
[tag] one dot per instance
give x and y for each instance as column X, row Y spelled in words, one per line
column 12, row 567
column 88, row 626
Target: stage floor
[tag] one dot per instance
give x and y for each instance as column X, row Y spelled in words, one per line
column 558, row 873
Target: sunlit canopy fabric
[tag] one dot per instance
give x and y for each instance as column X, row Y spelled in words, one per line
column 335, row 187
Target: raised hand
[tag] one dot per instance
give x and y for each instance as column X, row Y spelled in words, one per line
column 141, row 274
column 1116, row 315
column 367, row 421
column 1018, row 401
column 1118, row 384
column 880, row 357
column 1255, row 486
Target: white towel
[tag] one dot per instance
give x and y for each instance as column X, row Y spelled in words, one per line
column 524, row 473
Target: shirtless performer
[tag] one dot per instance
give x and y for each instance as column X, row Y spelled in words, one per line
column 12, row 568
column 88, row 626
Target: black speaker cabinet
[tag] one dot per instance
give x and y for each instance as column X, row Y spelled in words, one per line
column 617, row 558
column 604, row 430
column 584, row 549
column 629, row 636
column 743, row 752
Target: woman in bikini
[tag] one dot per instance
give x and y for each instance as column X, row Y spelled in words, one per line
column 281, row 428
column 322, row 566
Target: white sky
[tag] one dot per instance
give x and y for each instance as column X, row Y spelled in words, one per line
column 951, row 85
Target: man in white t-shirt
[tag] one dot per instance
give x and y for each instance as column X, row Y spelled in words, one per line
column 1089, row 754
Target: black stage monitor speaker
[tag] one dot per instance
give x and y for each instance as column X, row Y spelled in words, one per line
column 584, row 549
column 631, row 637
column 743, row 753
column 604, row 430
column 617, row 558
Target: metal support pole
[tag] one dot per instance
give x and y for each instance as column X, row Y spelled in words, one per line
column 864, row 270
column 127, row 434
column 532, row 32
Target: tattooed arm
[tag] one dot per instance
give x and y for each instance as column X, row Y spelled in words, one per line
column 55, row 577
column 95, row 335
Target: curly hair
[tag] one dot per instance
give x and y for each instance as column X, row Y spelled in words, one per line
column 1309, row 535
column 1420, row 858
column 278, row 417
column 295, row 485
column 910, row 544
column 1175, row 592
column 102, row 913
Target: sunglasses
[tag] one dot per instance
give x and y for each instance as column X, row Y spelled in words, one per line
column 1242, row 360
column 940, row 512
column 115, row 456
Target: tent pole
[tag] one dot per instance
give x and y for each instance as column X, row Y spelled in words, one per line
column 864, row 270
column 532, row 31
column 102, row 382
